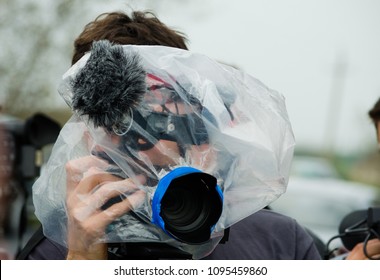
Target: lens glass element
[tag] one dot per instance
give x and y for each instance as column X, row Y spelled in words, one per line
column 191, row 207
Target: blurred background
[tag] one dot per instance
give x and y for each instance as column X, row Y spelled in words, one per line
column 323, row 56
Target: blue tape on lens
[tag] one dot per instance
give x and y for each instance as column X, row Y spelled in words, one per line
column 161, row 189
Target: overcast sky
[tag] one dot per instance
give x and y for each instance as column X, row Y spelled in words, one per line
column 322, row 55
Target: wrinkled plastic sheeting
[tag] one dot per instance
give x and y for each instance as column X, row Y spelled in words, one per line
column 250, row 140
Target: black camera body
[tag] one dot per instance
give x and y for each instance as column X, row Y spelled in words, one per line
column 24, row 138
column 360, row 226
column 186, row 205
column 19, row 167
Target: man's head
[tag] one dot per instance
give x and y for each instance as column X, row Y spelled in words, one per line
column 141, row 28
column 374, row 114
column 150, row 112
column 168, row 119
column 138, row 29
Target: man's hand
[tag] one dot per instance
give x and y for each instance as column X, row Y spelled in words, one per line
column 373, row 250
column 89, row 187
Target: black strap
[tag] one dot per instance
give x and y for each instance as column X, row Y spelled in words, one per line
column 145, row 251
column 225, row 236
column 36, row 238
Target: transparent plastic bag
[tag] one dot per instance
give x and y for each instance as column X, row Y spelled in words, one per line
column 221, row 120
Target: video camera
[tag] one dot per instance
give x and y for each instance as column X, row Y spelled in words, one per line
column 359, row 227
column 19, row 166
column 26, row 137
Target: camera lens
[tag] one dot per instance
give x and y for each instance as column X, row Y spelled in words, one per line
column 191, row 206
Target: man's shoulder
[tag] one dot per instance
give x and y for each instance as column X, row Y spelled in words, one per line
column 41, row 248
column 267, row 217
column 266, row 235
column 268, row 213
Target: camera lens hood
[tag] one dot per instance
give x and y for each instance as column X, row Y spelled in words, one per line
column 187, row 204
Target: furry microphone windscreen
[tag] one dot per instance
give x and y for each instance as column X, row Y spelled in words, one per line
column 110, row 84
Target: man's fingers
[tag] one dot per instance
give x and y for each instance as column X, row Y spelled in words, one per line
column 84, row 163
column 75, row 169
column 372, row 248
column 119, row 209
column 100, row 191
column 87, row 185
column 111, row 190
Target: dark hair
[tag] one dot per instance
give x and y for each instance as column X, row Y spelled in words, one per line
column 142, row 28
column 374, row 113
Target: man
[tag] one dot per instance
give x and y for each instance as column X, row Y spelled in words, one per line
column 374, row 114
column 161, row 103
column 373, row 246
